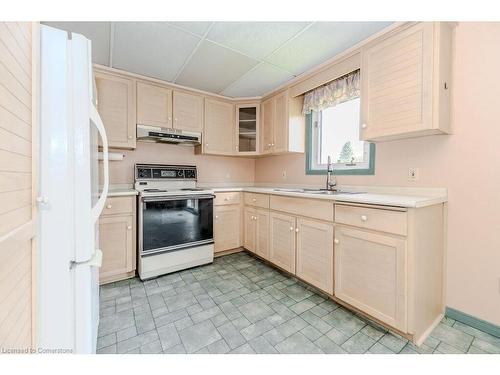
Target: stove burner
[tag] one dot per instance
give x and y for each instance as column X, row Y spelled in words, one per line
column 155, row 190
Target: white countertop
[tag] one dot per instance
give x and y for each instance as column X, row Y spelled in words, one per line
column 409, row 198
column 386, row 196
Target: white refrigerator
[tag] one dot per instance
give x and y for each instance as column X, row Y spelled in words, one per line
column 69, row 201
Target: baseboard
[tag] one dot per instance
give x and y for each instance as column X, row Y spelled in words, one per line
column 472, row 321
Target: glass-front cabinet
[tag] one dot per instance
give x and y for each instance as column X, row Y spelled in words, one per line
column 247, row 128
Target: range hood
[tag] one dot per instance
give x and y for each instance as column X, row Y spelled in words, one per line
column 167, row 135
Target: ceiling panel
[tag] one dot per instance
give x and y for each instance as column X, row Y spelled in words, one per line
column 154, row 49
column 198, row 28
column 255, row 39
column 258, row 81
column 97, row 32
column 320, row 42
column 213, row 67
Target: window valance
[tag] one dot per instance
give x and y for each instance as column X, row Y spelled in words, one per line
column 337, row 91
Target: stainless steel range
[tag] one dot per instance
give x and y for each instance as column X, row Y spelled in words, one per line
column 175, row 219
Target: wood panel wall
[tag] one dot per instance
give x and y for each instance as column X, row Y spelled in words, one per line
column 16, row 195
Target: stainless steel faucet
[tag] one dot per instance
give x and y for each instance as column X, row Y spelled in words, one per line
column 331, row 182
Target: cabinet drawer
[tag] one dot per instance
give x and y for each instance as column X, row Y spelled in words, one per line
column 119, row 205
column 315, row 208
column 372, row 218
column 227, row 198
column 257, row 200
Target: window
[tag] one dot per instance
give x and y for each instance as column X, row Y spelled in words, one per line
column 334, row 131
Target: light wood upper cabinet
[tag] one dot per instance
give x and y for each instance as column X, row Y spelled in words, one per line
column 283, row 125
column 282, row 241
column 268, row 109
column 370, row 274
column 188, row 111
column 116, row 104
column 227, row 227
column 117, row 239
column 405, row 84
column 218, row 135
column 315, row 253
column 154, row 105
column 249, row 227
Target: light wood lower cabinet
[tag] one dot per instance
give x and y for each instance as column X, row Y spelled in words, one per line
column 282, row 241
column 227, row 227
column 315, row 253
column 370, row 273
column 249, row 227
column 117, row 239
column 256, row 231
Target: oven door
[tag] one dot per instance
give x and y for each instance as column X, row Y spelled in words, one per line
column 174, row 223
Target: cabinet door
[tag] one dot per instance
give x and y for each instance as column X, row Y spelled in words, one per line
column 116, row 242
column 282, row 241
column 188, row 112
column 116, row 106
column 249, row 225
column 226, row 227
column 247, row 129
column 315, row 253
column 154, row 105
column 370, row 274
column 262, row 233
column 396, row 89
column 268, row 108
column 218, row 137
column 281, row 123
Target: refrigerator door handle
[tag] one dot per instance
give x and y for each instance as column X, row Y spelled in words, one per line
column 96, row 120
column 94, row 261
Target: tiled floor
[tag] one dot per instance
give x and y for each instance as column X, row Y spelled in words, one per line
column 240, row 305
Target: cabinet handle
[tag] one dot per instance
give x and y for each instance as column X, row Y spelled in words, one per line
column 170, row 118
column 175, row 119
column 129, row 137
column 254, row 199
column 336, row 241
column 364, row 217
column 291, row 229
column 272, row 144
column 296, row 230
column 206, row 144
column 216, row 217
column 129, row 227
column 109, row 206
column 364, row 126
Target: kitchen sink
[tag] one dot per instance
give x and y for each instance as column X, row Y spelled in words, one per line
column 318, row 191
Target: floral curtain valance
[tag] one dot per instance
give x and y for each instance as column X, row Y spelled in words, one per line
column 338, row 91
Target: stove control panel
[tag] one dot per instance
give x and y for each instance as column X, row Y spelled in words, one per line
column 165, row 172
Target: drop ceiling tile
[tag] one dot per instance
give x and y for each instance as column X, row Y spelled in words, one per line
column 97, row 32
column 264, row 78
column 213, row 68
column 198, row 28
column 154, row 49
column 320, row 42
column 255, row 39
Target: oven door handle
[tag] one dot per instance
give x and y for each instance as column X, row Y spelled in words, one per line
column 177, row 197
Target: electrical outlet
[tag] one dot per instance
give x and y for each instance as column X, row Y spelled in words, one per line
column 283, row 174
column 413, row 174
